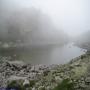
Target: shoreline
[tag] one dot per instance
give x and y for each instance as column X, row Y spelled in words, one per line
column 43, row 75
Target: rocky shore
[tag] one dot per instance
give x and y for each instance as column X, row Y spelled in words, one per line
column 44, row 77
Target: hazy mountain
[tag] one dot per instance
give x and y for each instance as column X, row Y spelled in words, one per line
column 31, row 26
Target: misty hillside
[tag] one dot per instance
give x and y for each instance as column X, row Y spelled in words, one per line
column 83, row 41
column 29, row 26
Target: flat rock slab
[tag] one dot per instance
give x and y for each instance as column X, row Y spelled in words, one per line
column 16, row 78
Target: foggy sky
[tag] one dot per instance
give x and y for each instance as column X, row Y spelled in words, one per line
column 72, row 16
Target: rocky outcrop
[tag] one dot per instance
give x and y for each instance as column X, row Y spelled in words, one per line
column 17, row 70
column 43, row 77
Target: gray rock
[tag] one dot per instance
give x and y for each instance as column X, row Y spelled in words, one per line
column 41, row 88
column 58, row 79
column 87, row 80
column 26, row 83
column 11, row 78
column 33, row 88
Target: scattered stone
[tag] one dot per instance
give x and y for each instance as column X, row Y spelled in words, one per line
column 26, row 83
column 41, row 88
column 33, row 88
column 58, row 79
column 42, row 77
column 87, row 80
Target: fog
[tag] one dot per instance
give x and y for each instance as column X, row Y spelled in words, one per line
column 45, row 20
column 44, row 44
column 73, row 16
column 52, row 24
column 28, row 25
column 70, row 15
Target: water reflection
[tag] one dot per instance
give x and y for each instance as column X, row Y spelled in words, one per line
column 47, row 54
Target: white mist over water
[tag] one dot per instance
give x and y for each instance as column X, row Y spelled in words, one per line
column 71, row 16
column 52, row 55
column 47, row 20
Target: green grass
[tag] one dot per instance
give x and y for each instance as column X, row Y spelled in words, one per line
column 16, row 85
column 19, row 85
column 65, row 85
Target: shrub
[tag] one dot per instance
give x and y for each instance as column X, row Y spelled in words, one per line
column 15, row 85
column 32, row 83
column 65, row 85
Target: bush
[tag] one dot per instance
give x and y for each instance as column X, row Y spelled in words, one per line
column 15, row 85
column 18, row 85
column 32, row 83
column 65, row 85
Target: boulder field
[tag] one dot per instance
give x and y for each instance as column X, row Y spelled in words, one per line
column 45, row 77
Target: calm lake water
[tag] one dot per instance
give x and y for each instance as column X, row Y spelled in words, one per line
column 49, row 54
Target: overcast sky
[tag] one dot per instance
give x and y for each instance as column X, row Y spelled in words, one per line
column 72, row 16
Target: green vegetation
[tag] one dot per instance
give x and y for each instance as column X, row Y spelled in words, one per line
column 32, row 83
column 18, row 85
column 15, row 84
column 77, row 73
column 65, row 85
